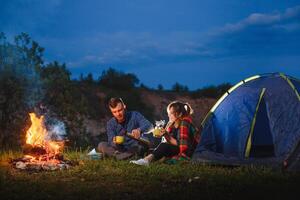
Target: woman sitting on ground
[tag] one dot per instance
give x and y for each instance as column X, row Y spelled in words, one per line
column 179, row 136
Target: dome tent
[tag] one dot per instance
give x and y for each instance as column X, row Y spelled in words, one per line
column 257, row 121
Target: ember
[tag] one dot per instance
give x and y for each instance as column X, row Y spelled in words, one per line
column 41, row 152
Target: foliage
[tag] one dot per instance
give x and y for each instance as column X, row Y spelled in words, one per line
column 19, row 68
column 63, row 98
column 25, row 84
column 88, row 80
column 13, row 111
column 143, row 86
column 177, row 87
column 114, row 79
column 160, row 87
column 32, row 51
column 212, row 91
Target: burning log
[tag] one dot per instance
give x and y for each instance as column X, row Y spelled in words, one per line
column 33, row 150
column 41, row 153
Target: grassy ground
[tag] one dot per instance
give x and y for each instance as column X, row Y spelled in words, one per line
column 110, row 179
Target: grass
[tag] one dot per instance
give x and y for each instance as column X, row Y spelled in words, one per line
column 110, row 179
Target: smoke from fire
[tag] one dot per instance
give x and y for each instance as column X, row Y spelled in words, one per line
column 17, row 64
column 14, row 62
column 56, row 130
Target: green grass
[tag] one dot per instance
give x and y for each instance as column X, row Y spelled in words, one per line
column 110, row 179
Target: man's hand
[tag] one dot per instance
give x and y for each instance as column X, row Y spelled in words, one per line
column 114, row 140
column 136, row 133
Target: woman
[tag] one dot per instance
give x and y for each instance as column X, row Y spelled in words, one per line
column 179, row 136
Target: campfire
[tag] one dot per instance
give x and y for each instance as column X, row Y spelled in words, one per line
column 43, row 149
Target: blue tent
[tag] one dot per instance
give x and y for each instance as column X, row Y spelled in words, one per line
column 257, row 121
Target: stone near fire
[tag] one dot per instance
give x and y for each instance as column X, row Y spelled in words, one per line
column 21, row 165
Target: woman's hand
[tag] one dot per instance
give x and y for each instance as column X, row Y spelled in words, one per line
column 162, row 131
column 172, row 140
column 169, row 124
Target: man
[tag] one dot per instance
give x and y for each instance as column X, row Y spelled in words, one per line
column 124, row 123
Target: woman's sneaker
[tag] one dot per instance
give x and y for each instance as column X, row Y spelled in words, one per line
column 141, row 161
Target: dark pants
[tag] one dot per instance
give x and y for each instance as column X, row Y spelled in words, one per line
column 118, row 152
column 165, row 150
column 155, row 141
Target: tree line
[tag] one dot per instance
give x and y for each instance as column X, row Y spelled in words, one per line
column 27, row 83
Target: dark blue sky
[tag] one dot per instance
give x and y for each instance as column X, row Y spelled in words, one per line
column 194, row 42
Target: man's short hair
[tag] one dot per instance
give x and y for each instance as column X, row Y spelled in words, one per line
column 114, row 101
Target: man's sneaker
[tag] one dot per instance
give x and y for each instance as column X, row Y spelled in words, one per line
column 141, row 161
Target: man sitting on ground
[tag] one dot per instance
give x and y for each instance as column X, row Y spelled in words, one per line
column 124, row 122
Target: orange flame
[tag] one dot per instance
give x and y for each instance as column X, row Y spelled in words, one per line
column 37, row 133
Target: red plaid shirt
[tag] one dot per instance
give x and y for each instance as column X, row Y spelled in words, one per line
column 182, row 135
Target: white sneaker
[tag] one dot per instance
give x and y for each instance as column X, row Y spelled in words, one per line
column 141, row 161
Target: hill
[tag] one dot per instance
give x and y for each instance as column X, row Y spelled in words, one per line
column 156, row 101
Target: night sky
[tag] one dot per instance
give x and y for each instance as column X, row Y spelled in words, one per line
column 194, row 42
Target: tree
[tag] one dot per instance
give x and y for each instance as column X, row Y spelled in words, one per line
column 143, row 86
column 61, row 93
column 160, row 87
column 65, row 100
column 89, row 80
column 212, row 91
column 13, row 110
column 20, row 63
column 32, row 51
column 177, row 87
column 118, row 80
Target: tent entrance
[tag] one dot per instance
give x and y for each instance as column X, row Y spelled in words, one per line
column 262, row 140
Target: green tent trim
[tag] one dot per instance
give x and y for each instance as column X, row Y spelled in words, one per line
column 291, row 84
column 249, row 140
column 211, row 112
